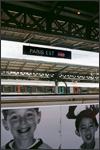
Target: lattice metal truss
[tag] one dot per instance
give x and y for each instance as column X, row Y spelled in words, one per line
column 30, row 70
column 55, row 24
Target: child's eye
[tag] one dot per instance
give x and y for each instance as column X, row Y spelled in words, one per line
column 14, row 117
column 91, row 125
column 29, row 115
column 83, row 128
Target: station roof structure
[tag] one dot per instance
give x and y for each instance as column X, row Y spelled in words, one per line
column 39, row 70
column 70, row 24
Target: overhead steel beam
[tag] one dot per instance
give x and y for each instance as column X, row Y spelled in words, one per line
column 95, row 17
column 13, row 22
column 53, row 7
column 22, row 66
column 7, row 65
column 35, row 68
column 43, row 62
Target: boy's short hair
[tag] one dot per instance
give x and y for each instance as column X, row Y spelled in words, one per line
column 85, row 114
column 5, row 112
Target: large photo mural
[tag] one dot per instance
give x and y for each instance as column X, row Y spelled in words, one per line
column 50, row 127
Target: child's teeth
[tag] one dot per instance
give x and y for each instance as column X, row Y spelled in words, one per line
column 23, row 130
column 88, row 136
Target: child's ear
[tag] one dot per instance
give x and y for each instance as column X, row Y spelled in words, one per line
column 5, row 124
column 77, row 133
column 39, row 117
column 96, row 128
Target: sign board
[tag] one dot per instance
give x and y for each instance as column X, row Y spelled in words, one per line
column 39, row 51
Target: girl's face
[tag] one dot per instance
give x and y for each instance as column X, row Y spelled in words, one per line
column 22, row 122
column 87, row 130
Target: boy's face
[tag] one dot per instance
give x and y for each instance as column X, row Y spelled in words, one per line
column 87, row 130
column 22, row 122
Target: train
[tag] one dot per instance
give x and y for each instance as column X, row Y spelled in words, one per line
column 21, row 87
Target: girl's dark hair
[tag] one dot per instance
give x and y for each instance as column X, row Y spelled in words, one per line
column 85, row 114
column 5, row 112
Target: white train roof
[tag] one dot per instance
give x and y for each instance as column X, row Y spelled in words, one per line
column 47, row 83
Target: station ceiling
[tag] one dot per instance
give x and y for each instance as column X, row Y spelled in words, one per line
column 70, row 24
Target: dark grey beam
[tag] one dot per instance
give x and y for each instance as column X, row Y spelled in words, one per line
column 7, row 66
column 12, row 18
column 35, row 68
column 95, row 17
column 44, row 14
column 43, row 62
column 22, row 66
column 50, row 68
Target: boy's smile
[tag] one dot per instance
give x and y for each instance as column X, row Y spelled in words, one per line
column 88, row 136
column 25, row 133
column 22, row 123
column 87, row 130
column 24, row 130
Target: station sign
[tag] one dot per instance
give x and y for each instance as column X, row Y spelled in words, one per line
column 38, row 51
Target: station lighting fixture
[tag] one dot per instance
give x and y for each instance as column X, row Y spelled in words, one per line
column 78, row 12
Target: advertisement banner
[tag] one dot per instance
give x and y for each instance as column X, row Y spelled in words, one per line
column 50, row 127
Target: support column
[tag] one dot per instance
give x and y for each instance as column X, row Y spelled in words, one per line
column 49, row 23
column 88, row 32
column 65, row 87
column 56, row 87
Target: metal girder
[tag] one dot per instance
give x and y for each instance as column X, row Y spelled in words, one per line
column 34, row 69
column 53, row 7
column 49, row 76
column 43, row 62
column 95, row 17
column 39, row 26
column 40, row 21
column 22, row 66
column 50, row 68
column 7, row 66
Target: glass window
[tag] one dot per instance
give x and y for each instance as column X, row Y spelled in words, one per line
column 6, row 89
